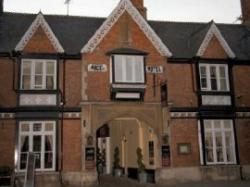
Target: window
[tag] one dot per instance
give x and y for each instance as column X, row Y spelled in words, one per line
column 128, row 69
column 38, row 74
column 214, row 77
column 219, row 142
column 39, row 138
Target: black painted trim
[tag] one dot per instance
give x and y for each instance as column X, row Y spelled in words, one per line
column 236, row 143
column 184, row 109
column 40, row 109
column 127, row 51
column 203, row 141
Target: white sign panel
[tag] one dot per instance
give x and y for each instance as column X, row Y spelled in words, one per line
column 154, row 69
column 97, row 68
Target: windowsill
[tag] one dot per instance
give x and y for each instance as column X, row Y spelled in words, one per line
column 39, row 91
column 213, row 92
column 129, row 85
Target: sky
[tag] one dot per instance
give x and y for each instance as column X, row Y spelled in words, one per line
column 221, row 11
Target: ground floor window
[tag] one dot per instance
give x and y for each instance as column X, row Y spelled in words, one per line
column 37, row 137
column 219, row 142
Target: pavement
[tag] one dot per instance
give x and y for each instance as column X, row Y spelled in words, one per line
column 110, row 181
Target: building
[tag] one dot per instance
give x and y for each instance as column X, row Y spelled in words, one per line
column 179, row 91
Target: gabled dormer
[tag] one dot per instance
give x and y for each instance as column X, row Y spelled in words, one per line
column 38, row 51
column 214, row 71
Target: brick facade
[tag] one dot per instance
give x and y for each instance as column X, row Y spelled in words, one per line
column 85, row 104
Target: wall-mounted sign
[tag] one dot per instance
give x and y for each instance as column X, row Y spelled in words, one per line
column 89, row 158
column 165, row 156
column 97, row 68
column 154, row 69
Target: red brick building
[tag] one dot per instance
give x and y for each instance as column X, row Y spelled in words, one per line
column 179, row 91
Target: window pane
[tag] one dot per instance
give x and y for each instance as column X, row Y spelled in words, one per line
column 203, row 83
column 223, row 85
column 219, row 148
column 139, row 70
column 213, row 78
column 24, row 143
column 23, row 160
column 26, row 66
column 222, row 70
column 208, row 124
column 26, row 82
column 129, row 69
column 25, row 127
column 50, row 68
column 227, row 124
column 38, row 160
column 37, row 127
column 209, row 147
column 209, row 155
column 50, row 82
column 217, row 124
column 118, row 69
column 48, row 160
column 38, row 81
column 48, row 143
column 38, row 68
column 37, row 142
column 49, row 127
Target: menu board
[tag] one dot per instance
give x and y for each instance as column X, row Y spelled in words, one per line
column 89, row 158
column 165, row 153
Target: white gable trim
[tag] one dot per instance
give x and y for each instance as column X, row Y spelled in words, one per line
column 214, row 31
column 126, row 5
column 39, row 21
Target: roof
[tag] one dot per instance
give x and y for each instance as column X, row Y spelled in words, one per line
column 73, row 32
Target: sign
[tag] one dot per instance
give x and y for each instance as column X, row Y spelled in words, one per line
column 89, row 158
column 97, row 68
column 165, row 154
column 154, row 69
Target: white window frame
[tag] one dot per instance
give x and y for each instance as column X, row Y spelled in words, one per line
column 218, row 77
column 124, row 78
column 44, row 73
column 224, row 150
column 41, row 133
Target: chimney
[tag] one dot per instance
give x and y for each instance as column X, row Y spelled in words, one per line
column 245, row 6
column 139, row 4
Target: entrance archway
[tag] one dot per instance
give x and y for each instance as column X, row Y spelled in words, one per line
column 127, row 134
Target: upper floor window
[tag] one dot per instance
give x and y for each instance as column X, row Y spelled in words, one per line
column 38, row 74
column 214, row 77
column 129, row 69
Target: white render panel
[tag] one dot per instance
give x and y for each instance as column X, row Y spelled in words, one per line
column 127, row 95
column 37, row 99
column 216, row 100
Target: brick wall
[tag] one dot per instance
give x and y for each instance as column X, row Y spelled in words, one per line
column 181, row 85
column 99, row 83
column 39, row 43
column 184, row 131
column 7, row 142
column 241, row 77
column 243, row 138
column 7, row 94
column 72, row 150
column 215, row 50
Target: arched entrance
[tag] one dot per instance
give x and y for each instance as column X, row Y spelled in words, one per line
column 127, row 134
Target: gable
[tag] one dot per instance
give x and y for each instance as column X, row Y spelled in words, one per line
column 126, row 5
column 39, row 29
column 215, row 50
column 214, row 32
column 126, row 34
column 39, row 43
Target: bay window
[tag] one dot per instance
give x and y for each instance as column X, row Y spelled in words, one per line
column 38, row 74
column 37, row 137
column 219, row 142
column 214, row 77
column 128, row 69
